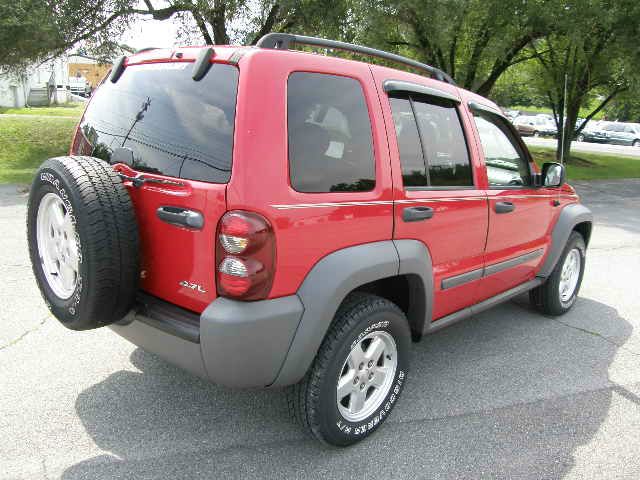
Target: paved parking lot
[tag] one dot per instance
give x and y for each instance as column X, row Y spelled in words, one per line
column 506, row 394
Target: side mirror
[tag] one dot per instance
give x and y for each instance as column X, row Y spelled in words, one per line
column 553, row 174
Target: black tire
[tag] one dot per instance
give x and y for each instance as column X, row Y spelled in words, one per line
column 106, row 236
column 580, row 138
column 546, row 297
column 636, row 143
column 313, row 401
column 536, row 134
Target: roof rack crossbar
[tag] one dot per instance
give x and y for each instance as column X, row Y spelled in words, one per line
column 145, row 49
column 283, row 41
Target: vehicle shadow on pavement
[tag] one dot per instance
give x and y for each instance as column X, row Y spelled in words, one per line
column 506, row 394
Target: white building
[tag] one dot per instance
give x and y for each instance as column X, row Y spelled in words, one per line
column 41, row 84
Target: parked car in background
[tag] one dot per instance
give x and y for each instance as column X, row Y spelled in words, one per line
column 593, row 132
column 79, row 86
column 622, row 134
column 512, row 114
column 537, row 126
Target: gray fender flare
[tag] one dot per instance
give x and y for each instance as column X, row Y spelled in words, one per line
column 333, row 278
column 571, row 215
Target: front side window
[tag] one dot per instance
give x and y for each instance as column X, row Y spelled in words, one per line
column 505, row 162
column 330, row 141
column 431, row 143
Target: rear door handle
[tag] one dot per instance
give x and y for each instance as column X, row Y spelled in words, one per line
column 504, row 207
column 181, row 216
column 415, row 214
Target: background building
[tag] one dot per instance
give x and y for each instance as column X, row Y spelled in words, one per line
column 88, row 67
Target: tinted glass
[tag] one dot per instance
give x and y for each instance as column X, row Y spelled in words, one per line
column 444, row 144
column 414, row 170
column 506, row 165
column 330, row 143
column 174, row 125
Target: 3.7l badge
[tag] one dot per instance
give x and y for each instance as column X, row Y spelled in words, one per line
column 192, row 286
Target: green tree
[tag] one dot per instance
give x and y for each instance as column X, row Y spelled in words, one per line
column 594, row 49
column 32, row 30
column 475, row 41
column 624, row 108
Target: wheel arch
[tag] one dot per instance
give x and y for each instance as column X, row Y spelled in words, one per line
column 370, row 267
column 574, row 217
column 584, row 229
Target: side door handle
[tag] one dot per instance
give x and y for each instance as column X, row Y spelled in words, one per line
column 416, row 214
column 181, row 216
column 504, row 207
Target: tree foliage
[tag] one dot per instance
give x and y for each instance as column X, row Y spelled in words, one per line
column 593, row 47
column 475, row 41
column 32, row 30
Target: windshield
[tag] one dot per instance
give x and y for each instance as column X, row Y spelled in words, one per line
column 174, row 125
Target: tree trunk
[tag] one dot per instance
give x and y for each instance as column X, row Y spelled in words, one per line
column 573, row 110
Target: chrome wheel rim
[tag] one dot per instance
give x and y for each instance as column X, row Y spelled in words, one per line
column 57, row 246
column 366, row 376
column 570, row 274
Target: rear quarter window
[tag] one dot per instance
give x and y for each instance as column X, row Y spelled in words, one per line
column 174, row 125
column 329, row 131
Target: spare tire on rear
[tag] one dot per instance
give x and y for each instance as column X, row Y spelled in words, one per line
column 83, row 241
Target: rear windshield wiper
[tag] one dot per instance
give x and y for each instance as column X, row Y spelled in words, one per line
column 141, row 180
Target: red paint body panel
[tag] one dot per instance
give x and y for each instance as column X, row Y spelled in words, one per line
column 170, row 253
column 455, row 236
column 260, row 176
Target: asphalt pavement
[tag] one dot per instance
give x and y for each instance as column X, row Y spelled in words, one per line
column 602, row 148
column 506, row 394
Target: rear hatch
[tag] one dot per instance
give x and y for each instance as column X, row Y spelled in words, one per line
column 156, row 122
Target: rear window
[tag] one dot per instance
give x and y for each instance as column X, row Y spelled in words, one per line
column 174, row 125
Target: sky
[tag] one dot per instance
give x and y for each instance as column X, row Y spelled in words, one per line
column 146, row 32
column 151, row 33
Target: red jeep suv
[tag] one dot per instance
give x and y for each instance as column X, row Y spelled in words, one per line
column 264, row 217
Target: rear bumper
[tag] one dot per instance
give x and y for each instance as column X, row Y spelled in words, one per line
column 236, row 344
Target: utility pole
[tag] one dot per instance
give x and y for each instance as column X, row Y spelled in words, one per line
column 564, row 118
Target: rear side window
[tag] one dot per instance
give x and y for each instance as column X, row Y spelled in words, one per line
column 431, row 143
column 330, row 142
column 414, row 168
column 174, row 125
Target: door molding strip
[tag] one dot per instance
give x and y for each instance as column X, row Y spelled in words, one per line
column 461, row 279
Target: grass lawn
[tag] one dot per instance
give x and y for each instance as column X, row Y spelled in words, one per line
column 591, row 166
column 27, row 142
column 67, row 110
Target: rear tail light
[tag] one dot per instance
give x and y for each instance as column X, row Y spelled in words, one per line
column 245, row 256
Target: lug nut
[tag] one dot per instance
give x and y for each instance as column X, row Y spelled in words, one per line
column 361, row 366
column 370, row 376
column 362, row 386
column 370, row 363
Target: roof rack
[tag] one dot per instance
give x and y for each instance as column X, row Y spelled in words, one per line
column 283, row 41
column 145, row 49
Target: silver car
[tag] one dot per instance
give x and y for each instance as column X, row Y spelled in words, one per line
column 622, row 134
